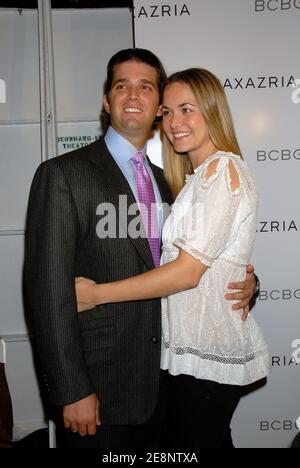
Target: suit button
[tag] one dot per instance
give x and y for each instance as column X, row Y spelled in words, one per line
column 154, row 339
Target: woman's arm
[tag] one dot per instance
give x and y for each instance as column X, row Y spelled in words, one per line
column 183, row 273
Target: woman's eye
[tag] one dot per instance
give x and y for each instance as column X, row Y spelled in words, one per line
column 166, row 113
column 185, row 110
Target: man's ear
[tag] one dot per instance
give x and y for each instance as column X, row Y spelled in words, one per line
column 159, row 112
column 106, row 104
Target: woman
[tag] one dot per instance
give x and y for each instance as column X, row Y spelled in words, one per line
column 212, row 355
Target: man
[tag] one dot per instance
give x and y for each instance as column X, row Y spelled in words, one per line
column 102, row 367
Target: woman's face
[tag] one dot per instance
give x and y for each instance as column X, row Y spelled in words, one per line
column 183, row 123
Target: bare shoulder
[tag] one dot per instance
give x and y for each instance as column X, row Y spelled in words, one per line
column 224, row 162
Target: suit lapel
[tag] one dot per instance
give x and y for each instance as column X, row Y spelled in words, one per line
column 118, row 185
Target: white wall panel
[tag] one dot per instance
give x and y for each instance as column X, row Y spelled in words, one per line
column 19, row 65
column 84, row 41
column 11, row 313
column 19, row 158
column 25, row 394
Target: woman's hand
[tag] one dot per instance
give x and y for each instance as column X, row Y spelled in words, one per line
column 85, row 293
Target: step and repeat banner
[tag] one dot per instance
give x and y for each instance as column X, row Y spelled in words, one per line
column 252, row 46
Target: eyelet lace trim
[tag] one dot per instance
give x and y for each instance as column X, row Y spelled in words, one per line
column 215, row 358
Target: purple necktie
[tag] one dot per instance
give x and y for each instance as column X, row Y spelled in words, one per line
column 148, row 209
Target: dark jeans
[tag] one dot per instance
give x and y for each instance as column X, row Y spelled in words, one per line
column 199, row 414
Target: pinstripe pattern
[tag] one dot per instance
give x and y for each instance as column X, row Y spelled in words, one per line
column 110, row 349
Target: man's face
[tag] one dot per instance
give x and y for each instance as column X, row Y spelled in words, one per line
column 133, row 100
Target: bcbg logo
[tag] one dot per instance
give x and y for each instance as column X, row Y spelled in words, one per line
column 285, row 425
column 2, row 92
column 276, row 5
column 277, row 226
column 279, row 295
column 278, row 155
column 260, row 82
column 162, row 11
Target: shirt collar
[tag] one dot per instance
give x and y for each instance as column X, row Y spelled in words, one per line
column 119, row 147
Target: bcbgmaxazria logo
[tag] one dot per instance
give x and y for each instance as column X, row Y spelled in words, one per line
column 282, row 425
column 279, row 295
column 277, row 226
column 280, row 155
column 259, row 82
column 166, row 10
column 276, row 5
column 284, row 361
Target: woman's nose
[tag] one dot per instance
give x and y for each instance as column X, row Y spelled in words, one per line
column 176, row 121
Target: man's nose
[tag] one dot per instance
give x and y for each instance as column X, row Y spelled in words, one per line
column 132, row 93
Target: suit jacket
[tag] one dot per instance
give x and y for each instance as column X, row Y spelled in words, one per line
column 113, row 350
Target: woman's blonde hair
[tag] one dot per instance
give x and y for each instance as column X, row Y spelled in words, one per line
column 214, row 107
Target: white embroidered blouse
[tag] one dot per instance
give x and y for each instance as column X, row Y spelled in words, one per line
column 202, row 336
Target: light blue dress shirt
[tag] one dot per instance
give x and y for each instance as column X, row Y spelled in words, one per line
column 123, row 151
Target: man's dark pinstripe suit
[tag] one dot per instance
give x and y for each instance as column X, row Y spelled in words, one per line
column 113, row 350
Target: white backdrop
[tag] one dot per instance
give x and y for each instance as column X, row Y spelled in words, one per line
column 252, row 46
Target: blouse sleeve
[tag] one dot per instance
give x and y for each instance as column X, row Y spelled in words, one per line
column 208, row 226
